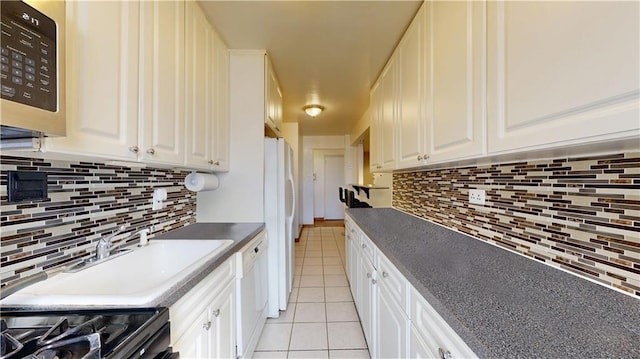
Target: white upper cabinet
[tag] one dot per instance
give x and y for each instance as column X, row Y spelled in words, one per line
column 274, row 110
column 199, row 87
column 102, row 80
column 206, row 94
column 146, row 85
column 561, row 73
column 375, row 108
column 455, row 33
column 162, row 82
column 387, row 133
column 412, row 124
column 221, row 124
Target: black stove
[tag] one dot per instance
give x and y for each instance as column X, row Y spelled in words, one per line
column 87, row 334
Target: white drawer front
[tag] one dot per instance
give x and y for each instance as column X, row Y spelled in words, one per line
column 394, row 282
column 434, row 331
column 367, row 248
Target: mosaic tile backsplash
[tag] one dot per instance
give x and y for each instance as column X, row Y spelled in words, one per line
column 580, row 214
column 86, row 201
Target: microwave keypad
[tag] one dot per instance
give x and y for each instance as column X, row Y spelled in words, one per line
column 28, row 57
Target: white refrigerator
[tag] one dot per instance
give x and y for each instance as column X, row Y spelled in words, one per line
column 279, row 209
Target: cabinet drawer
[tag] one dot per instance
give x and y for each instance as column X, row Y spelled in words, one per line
column 394, row 282
column 367, row 248
column 434, row 331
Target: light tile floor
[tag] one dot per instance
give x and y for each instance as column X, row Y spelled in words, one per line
column 321, row 320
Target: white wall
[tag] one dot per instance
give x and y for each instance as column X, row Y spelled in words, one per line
column 240, row 197
column 310, row 143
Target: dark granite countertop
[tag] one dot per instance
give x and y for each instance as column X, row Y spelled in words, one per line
column 504, row 305
column 240, row 233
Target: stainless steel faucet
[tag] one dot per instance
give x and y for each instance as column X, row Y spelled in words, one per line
column 103, row 249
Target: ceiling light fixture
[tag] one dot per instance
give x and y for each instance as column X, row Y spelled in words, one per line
column 313, row 110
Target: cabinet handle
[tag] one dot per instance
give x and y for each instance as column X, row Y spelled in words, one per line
column 425, row 157
column 207, row 325
column 385, row 274
column 134, row 149
column 151, row 151
column 216, row 313
column 444, row 354
column 419, row 158
column 368, row 275
column 210, row 162
column 373, row 281
column 364, row 246
column 217, row 163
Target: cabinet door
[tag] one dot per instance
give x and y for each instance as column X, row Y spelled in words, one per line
column 388, row 116
column 223, row 324
column 162, row 82
column 199, row 87
column 195, row 342
column 367, row 302
column 456, row 79
column 417, row 348
column 562, row 73
column 412, row 122
column 375, row 109
column 392, row 325
column 434, row 331
column 221, row 123
column 102, row 80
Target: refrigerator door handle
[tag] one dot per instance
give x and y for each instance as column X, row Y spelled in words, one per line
column 293, row 198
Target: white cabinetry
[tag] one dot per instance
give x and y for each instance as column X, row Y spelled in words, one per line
column 412, row 122
column 397, row 321
column 383, row 119
column 435, row 333
column 222, row 120
column 274, row 100
column 562, row 73
column 207, row 94
column 387, row 133
column 203, row 322
column 455, row 33
column 126, row 85
column 102, row 45
column 161, row 122
column 375, row 109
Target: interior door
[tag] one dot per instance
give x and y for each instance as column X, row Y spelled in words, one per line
column 333, row 178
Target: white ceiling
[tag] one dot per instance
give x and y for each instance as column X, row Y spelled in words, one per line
column 326, row 52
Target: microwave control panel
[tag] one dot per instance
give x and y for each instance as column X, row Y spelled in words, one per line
column 29, row 68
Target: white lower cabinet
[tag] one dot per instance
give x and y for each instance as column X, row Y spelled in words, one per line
column 392, row 326
column 435, row 332
column 367, row 274
column 203, row 322
column 417, row 348
column 397, row 321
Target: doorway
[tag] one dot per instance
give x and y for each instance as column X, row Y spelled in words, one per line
column 333, row 178
column 329, row 174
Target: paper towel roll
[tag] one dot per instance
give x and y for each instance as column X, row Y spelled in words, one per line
column 197, row 182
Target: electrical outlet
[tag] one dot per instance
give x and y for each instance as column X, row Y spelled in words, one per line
column 476, row 196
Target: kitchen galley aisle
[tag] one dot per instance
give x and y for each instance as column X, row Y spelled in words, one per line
column 321, row 321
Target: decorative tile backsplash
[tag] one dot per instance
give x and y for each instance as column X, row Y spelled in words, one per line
column 580, row 214
column 87, row 200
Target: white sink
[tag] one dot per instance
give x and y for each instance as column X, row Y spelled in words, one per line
column 135, row 278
